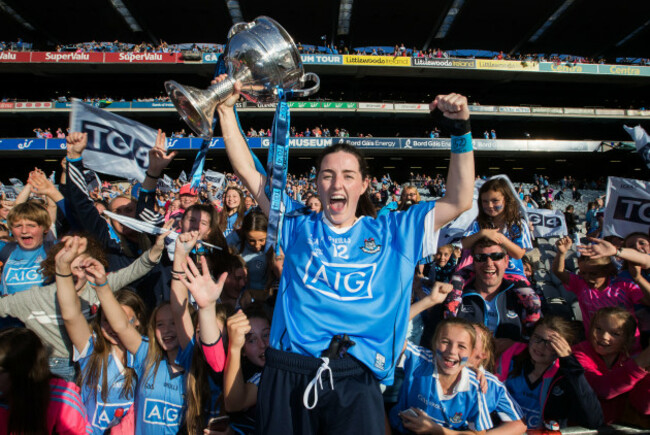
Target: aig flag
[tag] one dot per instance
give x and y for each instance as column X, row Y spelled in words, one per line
column 116, row 145
column 628, row 207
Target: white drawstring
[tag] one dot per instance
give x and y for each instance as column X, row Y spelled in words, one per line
column 317, row 380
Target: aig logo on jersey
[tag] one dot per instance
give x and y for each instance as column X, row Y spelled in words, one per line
column 22, row 275
column 105, row 413
column 161, row 412
column 343, row 282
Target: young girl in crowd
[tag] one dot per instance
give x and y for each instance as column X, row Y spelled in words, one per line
column 444, row 264
column 251, row 244
column 547, row 381
column 314, row 204
column 504, row 411
column 500, row 220
column 439, row 391
column 203, row 363
column 232, row 214
column 107, row 378
column 33, row 401
column 596, row 286
column 618, row 379
column 248, row 337
column 160, row 392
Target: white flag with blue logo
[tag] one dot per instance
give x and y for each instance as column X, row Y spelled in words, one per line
column 627, row 207
column 116, row 145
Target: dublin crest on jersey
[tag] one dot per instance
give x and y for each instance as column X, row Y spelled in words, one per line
column 370, row 247
column 457, row 418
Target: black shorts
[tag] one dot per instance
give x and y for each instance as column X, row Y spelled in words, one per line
column 354, row 406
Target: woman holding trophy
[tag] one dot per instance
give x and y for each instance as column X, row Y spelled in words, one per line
column 342, row 308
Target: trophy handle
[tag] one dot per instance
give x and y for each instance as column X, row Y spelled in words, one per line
column 238, row 27
column 309, row 77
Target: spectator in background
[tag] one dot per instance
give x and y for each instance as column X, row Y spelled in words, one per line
column 597, row 285
column 571, row 220
column 621, row 382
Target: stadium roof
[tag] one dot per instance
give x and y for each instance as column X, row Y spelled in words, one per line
column 589, row 28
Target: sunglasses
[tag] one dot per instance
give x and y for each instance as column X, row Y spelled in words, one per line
column 494, row 256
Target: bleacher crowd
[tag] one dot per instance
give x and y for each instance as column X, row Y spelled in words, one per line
column 156, row 307
column 323, row 48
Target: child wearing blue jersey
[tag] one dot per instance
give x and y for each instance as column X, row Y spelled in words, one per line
column 232, row 214
column 29, row 223
column 439, row 390
column 107, row 377
column 547, row 381
column 250, row 241
column 160, row 394
column 500, row 220
column 201, row 353
column 344, row 274
column 504, row 411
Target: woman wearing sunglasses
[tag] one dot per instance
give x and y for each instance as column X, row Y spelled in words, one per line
column 547, row 381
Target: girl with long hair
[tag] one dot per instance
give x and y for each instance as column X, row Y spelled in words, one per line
column 202, row 352
column 439, row 390
column 232, row 214
column 547, row 381
column 251, row 244
column 500, row 219
column 107, row 377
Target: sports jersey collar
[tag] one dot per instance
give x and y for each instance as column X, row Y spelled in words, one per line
column 461, row 386
column 339, row 230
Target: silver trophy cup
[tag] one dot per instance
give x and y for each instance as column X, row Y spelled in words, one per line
column 261, row 55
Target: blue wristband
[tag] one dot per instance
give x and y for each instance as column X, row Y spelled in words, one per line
column 461, row 144
column 147, row 190
column 73, row 160
column 98, row 285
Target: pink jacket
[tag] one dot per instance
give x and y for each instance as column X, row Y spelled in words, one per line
column 625, row 382
column 66, row 413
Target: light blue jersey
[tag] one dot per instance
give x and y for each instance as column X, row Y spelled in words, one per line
column 230, row 224
column 101, row 413
column 215, row 380
column 21, row 271
column 354, row 281
column 499, row 401
column 529, row 397
column 159, row 398
column 466, row 408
